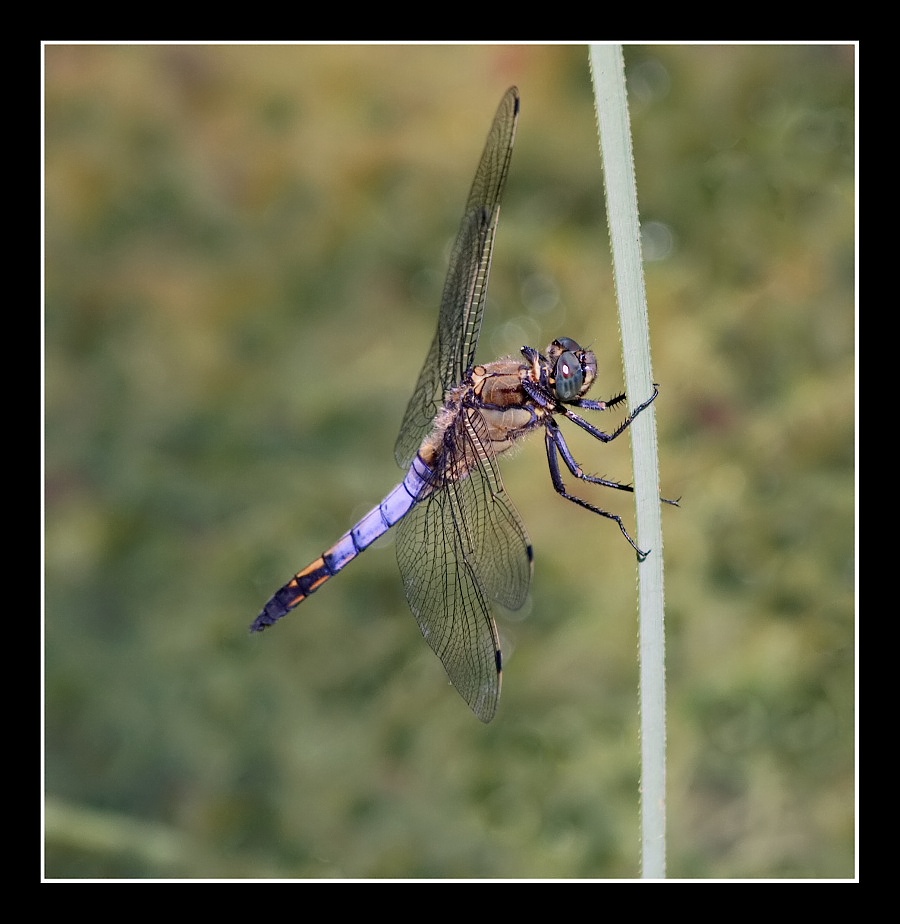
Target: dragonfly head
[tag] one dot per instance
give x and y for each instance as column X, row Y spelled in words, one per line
column 572, row 369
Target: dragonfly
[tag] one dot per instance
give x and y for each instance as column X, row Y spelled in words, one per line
column 461, row 544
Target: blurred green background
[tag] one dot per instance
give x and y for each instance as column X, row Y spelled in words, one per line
column 244, row 255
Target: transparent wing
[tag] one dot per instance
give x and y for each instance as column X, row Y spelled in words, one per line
column 458, row 549
column 452, row 351
column 492, row 525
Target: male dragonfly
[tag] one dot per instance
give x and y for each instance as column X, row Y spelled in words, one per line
column 460, row 541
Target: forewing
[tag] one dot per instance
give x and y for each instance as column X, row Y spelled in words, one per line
column 452, row 351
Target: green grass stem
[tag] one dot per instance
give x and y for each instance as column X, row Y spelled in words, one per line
column 608, row 70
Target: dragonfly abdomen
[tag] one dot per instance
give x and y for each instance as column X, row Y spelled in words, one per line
column 371, row 527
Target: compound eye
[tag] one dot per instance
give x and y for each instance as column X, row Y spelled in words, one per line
column 569, row 376
column 567, row 343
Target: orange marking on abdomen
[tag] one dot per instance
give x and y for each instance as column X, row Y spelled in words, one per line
column 310, row 570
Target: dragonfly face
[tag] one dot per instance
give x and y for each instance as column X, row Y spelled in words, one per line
column 574, row 369
column 461, row 544
column 566, row 370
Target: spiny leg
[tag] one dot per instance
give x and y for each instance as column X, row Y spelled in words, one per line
column 604, row 406
column 608, row 437
column 556, row 444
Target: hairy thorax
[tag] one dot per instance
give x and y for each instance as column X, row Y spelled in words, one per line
column 498, row 407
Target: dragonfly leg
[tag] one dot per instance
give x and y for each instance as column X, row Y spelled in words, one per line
column 603, row 406
column 609, row 437
column 556, row 447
